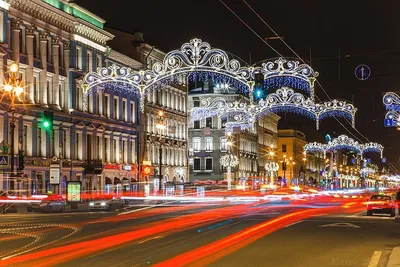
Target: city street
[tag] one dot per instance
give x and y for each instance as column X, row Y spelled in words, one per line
column 149, row 236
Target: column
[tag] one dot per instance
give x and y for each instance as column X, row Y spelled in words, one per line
column 56, row 78
column 30, row 34
column 16, row 29
column 43, row 61
column 68, row 84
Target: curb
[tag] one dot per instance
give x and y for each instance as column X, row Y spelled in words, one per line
column 394, row 258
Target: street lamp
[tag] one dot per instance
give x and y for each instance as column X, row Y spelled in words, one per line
column 229, row 160
column 161, row 126
column 13, row 88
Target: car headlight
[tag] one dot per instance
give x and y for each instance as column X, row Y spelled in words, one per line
column 103, row 203
column 91, row 204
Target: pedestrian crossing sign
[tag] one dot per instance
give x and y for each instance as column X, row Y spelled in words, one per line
column 4, row 161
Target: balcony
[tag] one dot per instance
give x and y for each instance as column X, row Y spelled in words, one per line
column 94, row 166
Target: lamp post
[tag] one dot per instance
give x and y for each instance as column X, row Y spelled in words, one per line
column 229, row 160
column 13, row 88
column 161, row 126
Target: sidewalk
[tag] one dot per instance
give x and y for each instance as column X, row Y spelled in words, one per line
column 394, row 258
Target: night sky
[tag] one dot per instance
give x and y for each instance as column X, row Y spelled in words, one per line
column 361, row 32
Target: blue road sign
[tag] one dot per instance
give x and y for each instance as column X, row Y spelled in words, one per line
column 4, row 161
column 383, row 160
column 389, row 123
column 362, row 72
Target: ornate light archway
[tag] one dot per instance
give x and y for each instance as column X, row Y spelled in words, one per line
column 197, row 60
column 392, row 103
column 344, row 142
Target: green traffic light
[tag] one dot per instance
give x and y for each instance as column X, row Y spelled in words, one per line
column 46, row 124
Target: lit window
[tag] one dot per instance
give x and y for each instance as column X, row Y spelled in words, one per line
column 224, row 146
column 196, row 144
column 209, row 144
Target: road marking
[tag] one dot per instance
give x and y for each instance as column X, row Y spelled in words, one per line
column 341, row 224
column 292, row 224
column 375, row 259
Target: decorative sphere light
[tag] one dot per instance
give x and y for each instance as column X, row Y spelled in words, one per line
column 8, row 87
column 19, row 90
column 14, row 67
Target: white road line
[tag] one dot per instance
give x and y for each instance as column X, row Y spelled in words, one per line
column 375, row 259
column 292, row 224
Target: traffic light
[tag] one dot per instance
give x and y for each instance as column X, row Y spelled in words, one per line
column 47, row 120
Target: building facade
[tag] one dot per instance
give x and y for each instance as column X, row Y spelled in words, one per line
column 171, row 100
column 55, row 43
column 208, row 141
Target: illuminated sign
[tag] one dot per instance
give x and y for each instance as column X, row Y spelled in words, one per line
column 147, row 170
column 74, row 189
column 127, row 167
column 111, row 167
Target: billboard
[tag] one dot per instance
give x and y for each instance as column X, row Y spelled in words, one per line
column 74, row 189
column 54, row 175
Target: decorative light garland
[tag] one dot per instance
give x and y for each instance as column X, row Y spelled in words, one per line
column 197, row 60
column 344, row 142
column 229, row 160
column 284, row 100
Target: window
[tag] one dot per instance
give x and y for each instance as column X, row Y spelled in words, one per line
column 133, row 112
column 196, row 144
column 124, row 111
column 224, row 146
column 79, row 58
column 209, row 122
column 98, row 104
column 98, row 61
column 196, row 103
column 284, row 148
column 116, row 108
column 60, row 96
column 106, row 157
column 223, row 122
column 49, row 92
column 196, row 164
column 36, row 95
column 114, row 150
column 209, row 164
column 76, row 146
column 25, row 140
column 39, row 142
column 98, row 145
column 196, row 125
column 89, row 147
column 88, row 61
column 49, row 57
column 209, row 143
column 106, row 105
column 61, row 56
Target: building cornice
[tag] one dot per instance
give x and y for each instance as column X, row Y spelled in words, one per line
column 125, row 60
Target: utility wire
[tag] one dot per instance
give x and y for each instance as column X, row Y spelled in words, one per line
column 273, row 49
column 294, row 52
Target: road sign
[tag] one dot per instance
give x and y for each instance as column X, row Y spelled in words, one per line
column 362, row 72
column 4, row 147
column 342, row 224
column 389, row 123
column 4, row 161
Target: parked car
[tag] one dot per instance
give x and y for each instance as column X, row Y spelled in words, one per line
column 49, row 204
column 107, row 204
column 381, row 204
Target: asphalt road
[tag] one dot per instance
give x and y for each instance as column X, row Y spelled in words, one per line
column 331, row 240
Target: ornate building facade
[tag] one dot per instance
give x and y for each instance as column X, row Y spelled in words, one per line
column 55, row 43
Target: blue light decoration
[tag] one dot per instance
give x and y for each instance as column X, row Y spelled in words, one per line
column 276, row 82
column 393, row 117
column 344, row 142
column 284, row 100
column 287, row 73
